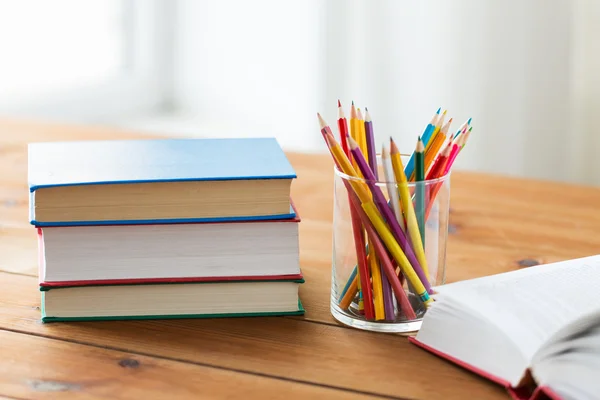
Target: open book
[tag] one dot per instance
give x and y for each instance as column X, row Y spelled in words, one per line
column 535, row 331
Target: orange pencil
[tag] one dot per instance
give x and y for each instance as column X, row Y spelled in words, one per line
column 440, row 138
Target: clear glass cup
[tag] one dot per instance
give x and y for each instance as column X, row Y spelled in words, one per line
column 347, row 296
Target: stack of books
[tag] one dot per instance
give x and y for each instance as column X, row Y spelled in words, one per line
column 179, row 228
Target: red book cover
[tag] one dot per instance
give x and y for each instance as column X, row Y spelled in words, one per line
column 526, row 390
column 41, row 261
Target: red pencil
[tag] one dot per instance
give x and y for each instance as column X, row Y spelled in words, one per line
column 343, row 128
column 439, row 165
column 359, row 240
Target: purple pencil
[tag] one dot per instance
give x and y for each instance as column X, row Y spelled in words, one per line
column 385, row 283
column 371, row 144
column 386, row 212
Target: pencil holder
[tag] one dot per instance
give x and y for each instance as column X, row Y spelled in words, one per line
column 382, row 277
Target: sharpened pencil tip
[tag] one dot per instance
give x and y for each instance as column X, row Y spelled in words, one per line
column 393, row 147
column 385, row 153
column 321, row 121
column 352, row 143
column 339, row 104
column 352, row 103
column 469, row 121
column 420, row 147
column 438, row 111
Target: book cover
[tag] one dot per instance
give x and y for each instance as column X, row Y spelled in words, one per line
column 54, row 164
column 46, row 319
column 524, row 391
column 46, row 286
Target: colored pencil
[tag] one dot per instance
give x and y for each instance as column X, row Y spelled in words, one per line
column 453, row 151
column 390, row 182
column 420, row 190
column 412, row 225
column 437, row 170
column 463, row 128
column 362, row 142
column 378, row 298
column 349, row 292
column 456, row 146
column 355, row 129
column 433, row 150
column 344, row 165
column 350, row 285
column 388, row 267
column 372, row 159
column 410, row 166
column 464, row 142
column 343, row 128
column 381, row 204
column 430, row 141
column 370, row 138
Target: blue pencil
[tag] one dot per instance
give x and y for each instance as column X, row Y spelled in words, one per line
column 410, row 166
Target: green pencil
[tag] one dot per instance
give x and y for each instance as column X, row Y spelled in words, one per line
column 420, row 189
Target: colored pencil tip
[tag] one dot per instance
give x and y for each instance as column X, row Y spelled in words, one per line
column 321, row 121
column 385, row 153
column 444, row 113
column 352, row 103
column 352, row 143
column 339, row 104
column 420, row 147
column 438, row 111
column 469, row 121
column 393, row 147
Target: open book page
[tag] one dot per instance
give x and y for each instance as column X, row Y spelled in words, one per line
column 530, row 305
column 571, row 367
column 452, row 329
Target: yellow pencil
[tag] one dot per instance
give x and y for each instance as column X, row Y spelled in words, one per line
column 338, row 153
column 377, row 285
column 355, row 125
column 412, row 226
column 395, row 250
column 362, row 139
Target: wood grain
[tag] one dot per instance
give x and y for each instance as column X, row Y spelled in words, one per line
column 279, row 347
column 107, row 374
column 497, row 224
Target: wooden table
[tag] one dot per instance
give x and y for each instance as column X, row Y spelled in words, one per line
column 497, row 224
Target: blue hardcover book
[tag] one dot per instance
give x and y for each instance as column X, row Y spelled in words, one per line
column 158, row 181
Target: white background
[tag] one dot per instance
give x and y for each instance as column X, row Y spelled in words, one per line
column 525, row 71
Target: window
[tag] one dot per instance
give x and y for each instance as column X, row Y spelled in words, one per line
column 80, row 60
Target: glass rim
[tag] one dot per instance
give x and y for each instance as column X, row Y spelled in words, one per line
column 427, row 182
column 383, row 182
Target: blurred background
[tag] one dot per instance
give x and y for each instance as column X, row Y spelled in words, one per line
column 527, row 72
